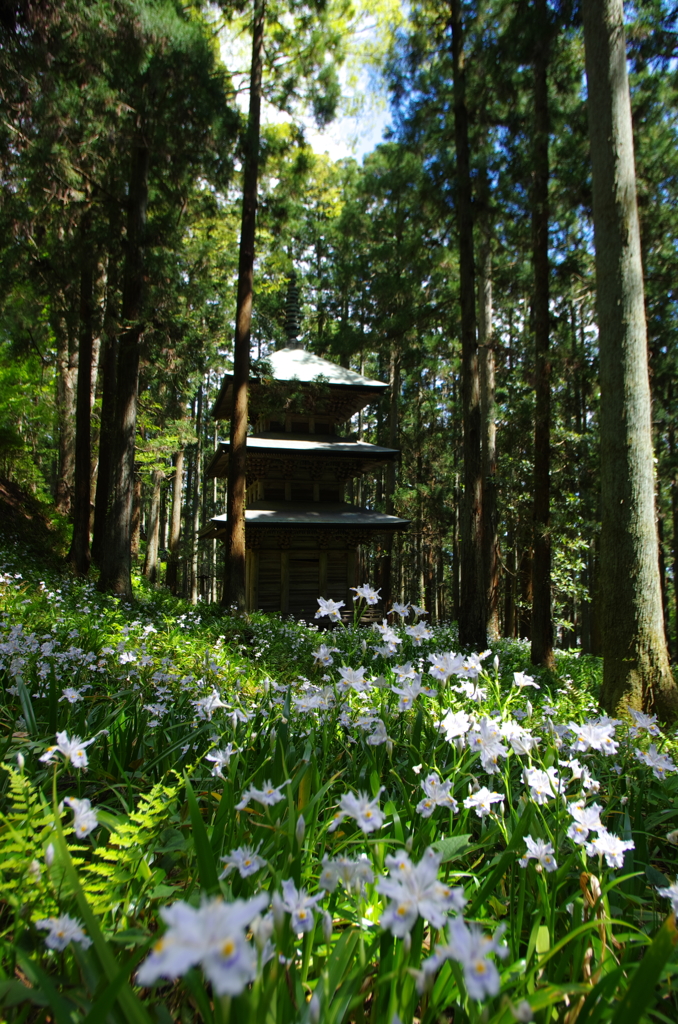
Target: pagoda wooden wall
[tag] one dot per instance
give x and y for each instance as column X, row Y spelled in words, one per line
column 290, row 580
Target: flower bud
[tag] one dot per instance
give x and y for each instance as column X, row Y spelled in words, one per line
column 49, row 855
column 496, row 663
column 300, row 830
column 21, row 761
column 262, row 929
column 529, row 709
column 35, row 870
column 314, row 1009
column 408, row 843
column 407, row 944
column 327, row 927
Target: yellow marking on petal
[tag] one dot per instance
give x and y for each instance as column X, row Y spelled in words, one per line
column 228, row 948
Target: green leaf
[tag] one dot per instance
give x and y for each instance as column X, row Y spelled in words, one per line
column 27, row 706
column 500, row 868
column 640, row 994
column 452, row 847
column 13, row 993
column 207, row 870
column 132, row 1007
column 656, row 877
column 43, row 983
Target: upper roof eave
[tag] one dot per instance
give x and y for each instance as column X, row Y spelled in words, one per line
column 290, row 365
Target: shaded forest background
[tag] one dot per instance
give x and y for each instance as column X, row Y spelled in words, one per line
column 375, row 250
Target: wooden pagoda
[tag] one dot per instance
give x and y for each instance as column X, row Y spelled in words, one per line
column 302, row 537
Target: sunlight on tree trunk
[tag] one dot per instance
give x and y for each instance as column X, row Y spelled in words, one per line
column 542, row 618
column 116, row 556
column 472, row 612
column 636, row 669
column 234, row 593
column 79, row 554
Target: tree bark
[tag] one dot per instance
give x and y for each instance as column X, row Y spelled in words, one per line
column 153, row 530
column 636, row 671
column 109, row 366
column 510, row 588
column 175, row 522
column 488, row 411
column 472, row 612
column 197, row 480
column 67, row 369
column 116, row 564
column 390, row 480
column 525, row 578
column 79, row 554
column 234, row 594
column 137, row 507
column 673, row 486
column 542, row 616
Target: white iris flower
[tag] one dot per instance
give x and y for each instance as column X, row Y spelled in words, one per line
column 213, row 936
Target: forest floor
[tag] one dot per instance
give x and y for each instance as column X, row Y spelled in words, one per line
column 324, row 829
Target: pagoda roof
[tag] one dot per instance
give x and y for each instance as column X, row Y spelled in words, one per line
column 303, row 514
column 283, row 447
column 296, row 364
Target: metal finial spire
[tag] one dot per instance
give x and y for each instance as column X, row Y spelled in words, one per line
column 292, row 311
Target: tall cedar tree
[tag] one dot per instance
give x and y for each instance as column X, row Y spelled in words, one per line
column 472, row 612
column 636, row 671
column 116, row 563
column 234, row 592
column 79, row 554
column 542, row 619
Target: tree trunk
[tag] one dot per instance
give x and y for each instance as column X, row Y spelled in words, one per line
column 109, row 366
column 116, row 565
column 456, row 514
column 137, row 506
column 673, row 486
column 79, row 554
column 674, row 516
column 99, row 303
column 390, row 481
column 525, row 576
column 663, row 583
column 488, row 412
column 175, row 523
column 67, row 369
column 153, row 529
column 636, row 671
column 197, row 479
column 188, row 524
column 234, row 576
column 542, row 616
column 510, row 588
column 472, row 612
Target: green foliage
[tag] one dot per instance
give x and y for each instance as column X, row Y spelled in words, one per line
column 119, row 880
column 161, row 836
